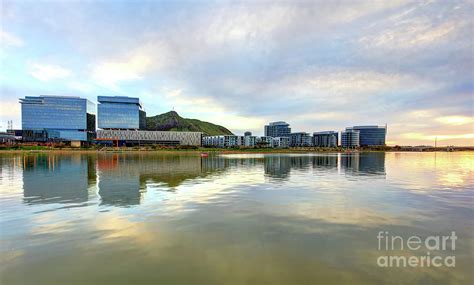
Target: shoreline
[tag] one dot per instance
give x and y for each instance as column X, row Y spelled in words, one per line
column 226, row 151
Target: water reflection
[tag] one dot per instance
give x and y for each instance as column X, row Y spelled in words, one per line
column 56, row 179
column 364, row 163
column 272, row 219
column 122, row 179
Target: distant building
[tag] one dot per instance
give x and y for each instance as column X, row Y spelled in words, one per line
column 247, row 133
column 17, row 133
column 7, row 138
column 277, row 129
column 57, row 118
column 281, row 142
column 350, row 138
column 250, row 141
column 325, row 139
column 221, row 141
column 265, row 141
column 224, row 141
column 371, row 135
column 300, row 139
column 120, row 113
column 136, row 137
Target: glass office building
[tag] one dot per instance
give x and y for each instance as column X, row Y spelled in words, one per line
column 120, row 113
column 57, row 118
column 371, row 135
column 350, row 138
column 325, row 139
column 277, row 129
column 300, row 139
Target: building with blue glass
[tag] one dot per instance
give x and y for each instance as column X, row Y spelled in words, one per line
column 277, row 129
column 371, row 135
column 325, row 139
column 350, row 138
column 300, row 139
column 120, row 113
column 57, row 118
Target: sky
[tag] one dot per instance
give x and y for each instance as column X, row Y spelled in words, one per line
column 318, row 65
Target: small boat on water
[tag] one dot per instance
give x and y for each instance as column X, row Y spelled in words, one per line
column 203, row 154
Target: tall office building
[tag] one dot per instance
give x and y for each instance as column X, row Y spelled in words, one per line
column 120, row 112
column 57, row 118
column 277, row 129
column 350, row 138
column 371, row 135
column 325, row 139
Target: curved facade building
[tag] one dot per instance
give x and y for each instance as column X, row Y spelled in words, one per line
column 350, row 138
column 325, row 139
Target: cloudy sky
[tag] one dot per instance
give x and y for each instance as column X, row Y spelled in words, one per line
column 315, row 64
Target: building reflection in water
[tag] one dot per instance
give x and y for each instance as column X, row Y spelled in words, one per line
column 280, row 166
column 122, row 179
column 118, row 186
column 55, row 179
column 372, row 164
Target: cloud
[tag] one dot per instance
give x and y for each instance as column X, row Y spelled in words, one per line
column 109, row 73
column 47, row 72
column 207, row 109
column 456, row 120
column 9, row 40
column 318, row 65
column 411, row 34
column 431, row 138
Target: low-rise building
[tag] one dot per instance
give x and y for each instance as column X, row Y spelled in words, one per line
column 281, row 142
column 325, row 139
column 7, row 138
column 136, row 137
column 300, row 139
column 265, row 141
column 222, row 141
column 249, row 140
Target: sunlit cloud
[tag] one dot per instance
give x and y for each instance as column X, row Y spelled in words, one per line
column 431, row 137
column 210, row 110
column 110, row 73
column 455, row 120
column 47, row 72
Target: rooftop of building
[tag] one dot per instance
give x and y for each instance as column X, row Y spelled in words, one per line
column 350, row 129
column 119, row 99
column 279, row 123
column 369, row 127
column 325, row 133
column 40, row 98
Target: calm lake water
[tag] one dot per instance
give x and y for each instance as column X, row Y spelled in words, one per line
column 231, row 219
